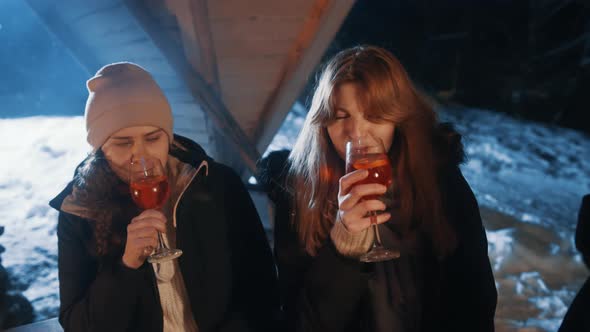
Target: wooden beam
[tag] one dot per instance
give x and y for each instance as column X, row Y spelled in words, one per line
column 49, row 325
column 324, row 20
column 231, row 9
column 204, row 93
column 193, row 18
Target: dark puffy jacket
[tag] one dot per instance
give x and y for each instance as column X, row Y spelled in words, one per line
column 227, row 265
column 329, row 292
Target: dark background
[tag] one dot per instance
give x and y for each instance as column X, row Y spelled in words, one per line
column 530, row 59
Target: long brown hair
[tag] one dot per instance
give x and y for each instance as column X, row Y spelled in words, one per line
column 315, row 166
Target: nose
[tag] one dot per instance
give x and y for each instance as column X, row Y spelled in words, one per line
column 357, row 128
column 137, row 151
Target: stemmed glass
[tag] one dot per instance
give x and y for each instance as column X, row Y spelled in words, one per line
column 367, row 152
column 150, row 190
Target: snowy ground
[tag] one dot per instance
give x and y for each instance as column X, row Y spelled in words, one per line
column 38, row 158
column 537, row 174
column 529, row 180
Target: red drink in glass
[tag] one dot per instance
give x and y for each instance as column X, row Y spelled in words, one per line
column 368, row 152
column 150, row 192
column 378, row 166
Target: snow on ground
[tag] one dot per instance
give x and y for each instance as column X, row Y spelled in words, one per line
column 39, row 155
column 536, row 174
column 529, row 179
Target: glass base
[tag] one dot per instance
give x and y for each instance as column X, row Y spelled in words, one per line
column 379, row 254
column 163, row 255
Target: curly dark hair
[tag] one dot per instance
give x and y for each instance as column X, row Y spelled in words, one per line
column 107, row 199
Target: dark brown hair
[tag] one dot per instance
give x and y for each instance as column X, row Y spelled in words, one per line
column 107, row 200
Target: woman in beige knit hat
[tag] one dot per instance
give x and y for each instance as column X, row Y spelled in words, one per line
column 442, row 279
column 224, row 281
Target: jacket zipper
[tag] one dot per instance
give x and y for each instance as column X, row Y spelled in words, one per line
column 203, row 164
column 152, row 272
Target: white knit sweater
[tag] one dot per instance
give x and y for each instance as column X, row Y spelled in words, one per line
column 176, row 308
column 351, row 244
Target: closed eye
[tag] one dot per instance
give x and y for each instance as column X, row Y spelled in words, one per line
column 341, row 115
column 154, row 136
column 124, row 143
column 375, row 119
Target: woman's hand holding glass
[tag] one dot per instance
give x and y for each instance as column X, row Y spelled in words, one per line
column 353, row 210
column 142, row 237
column 150, row 190
column 368, row 154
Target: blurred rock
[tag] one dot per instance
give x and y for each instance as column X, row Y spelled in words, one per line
column 15, row 309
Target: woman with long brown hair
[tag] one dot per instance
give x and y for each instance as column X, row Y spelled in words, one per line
column 442, row 280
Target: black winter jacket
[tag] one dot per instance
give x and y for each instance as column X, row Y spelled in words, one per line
column 227, row 265
column 329, row 292
column 576, row 318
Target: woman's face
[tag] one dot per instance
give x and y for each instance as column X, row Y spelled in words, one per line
column 351, row 121
column 132, row 142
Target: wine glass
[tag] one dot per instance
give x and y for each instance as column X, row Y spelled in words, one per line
column 367, row 152
column 150, row 190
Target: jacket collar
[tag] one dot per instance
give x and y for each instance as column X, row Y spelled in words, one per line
column 186, row 160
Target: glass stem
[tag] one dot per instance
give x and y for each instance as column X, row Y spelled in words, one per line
column 377, row 241
column 161, row 241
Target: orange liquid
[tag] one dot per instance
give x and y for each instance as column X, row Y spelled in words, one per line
column 378, row 166
column 151, row 192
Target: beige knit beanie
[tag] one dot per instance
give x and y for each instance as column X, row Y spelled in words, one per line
column 123, row 95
